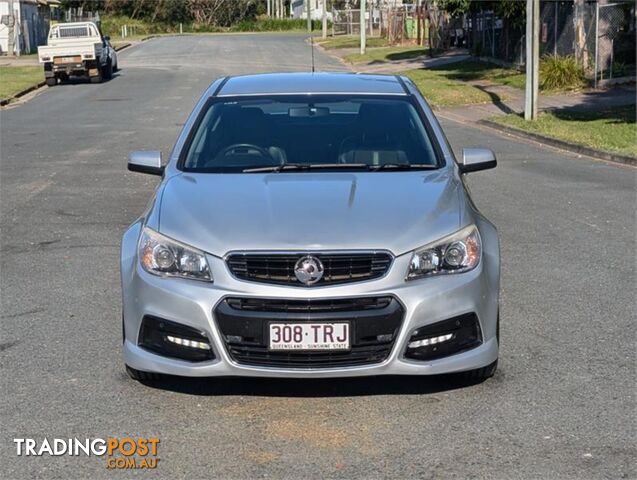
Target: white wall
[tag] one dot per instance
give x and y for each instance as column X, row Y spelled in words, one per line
column 4, row 30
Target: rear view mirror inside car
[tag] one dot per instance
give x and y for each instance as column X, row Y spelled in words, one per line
column 308, row 111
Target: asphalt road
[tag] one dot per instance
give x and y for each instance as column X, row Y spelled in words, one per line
column 561, row 405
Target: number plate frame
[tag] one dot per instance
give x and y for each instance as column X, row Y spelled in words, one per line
column 268, row 326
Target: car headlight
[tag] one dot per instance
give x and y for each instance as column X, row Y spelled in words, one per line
column 166, row 257
column 457, row 253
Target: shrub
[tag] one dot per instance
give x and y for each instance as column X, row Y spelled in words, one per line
column 560, row 73
column 274, row 25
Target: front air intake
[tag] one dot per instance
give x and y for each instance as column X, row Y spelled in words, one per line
column 172, row 339
column 445, row 338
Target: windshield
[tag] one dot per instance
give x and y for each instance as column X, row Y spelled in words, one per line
column 318, row 131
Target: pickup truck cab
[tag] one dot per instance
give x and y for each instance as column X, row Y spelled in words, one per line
column 77, row 49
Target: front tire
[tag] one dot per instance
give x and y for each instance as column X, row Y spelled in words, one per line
column 480, row 374
column 98, row 78
column 51, row 81
column 141, row 376
column 108, row 71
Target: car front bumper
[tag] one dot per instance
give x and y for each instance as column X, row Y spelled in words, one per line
column 192, row 303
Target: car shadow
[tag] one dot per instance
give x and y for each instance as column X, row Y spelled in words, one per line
column 85, row 80
column 319, row 387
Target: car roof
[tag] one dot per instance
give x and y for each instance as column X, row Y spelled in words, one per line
column 302, row 83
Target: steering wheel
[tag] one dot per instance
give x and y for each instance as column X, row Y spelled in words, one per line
column 237, row 147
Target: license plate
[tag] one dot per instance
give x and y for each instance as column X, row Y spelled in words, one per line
column 67, row 60
column 310, row 336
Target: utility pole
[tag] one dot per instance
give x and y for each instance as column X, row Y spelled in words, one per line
column 309, row 16
column 532, row 59
column 325, row 19
column 268, row 2
column 363, row 26
column 11, row 38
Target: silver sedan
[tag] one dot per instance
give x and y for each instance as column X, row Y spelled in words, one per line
column 311, row 225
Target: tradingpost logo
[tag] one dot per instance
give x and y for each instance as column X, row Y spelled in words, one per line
column 125, row 453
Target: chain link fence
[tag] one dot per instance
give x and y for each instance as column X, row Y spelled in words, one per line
column 614, row 55
column 403, row 24
column 601, row 36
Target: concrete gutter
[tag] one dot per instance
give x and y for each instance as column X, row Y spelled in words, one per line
column 571, row 147
column 6, row 101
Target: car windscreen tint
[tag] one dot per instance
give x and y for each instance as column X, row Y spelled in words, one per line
column 244, row 133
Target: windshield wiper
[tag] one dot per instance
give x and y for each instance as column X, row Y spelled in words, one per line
column 307, row 166
column 402, row 166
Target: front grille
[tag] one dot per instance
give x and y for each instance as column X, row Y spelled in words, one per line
column 338, row 267
column 243, row 323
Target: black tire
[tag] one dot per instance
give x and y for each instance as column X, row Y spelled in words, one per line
column 141, row 376
column 480, row 374
column 108, row 71
column 51, row 81
column 115, row 67
column 98, row 78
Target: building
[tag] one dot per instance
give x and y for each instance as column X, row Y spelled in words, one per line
column 299, row 9
column 27, row 22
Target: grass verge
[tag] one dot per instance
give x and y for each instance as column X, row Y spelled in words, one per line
column 386, row 54
column 15, row 79
column 612, row 130
column 472, row 70
column 442, row 88
column 351, row 41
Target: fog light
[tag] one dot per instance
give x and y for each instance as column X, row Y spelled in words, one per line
column 184, row 342
column 444, row 338
column 173, row 339
column 430, row 341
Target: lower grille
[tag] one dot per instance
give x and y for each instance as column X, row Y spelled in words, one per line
column 375, row 322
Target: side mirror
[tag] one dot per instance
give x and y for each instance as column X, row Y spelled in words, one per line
column 476, row 159
column 146, row 161
column 107, row 38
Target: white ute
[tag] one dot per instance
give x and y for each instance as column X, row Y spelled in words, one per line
column 77, row 49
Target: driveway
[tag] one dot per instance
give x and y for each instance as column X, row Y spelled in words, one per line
column 561, row 406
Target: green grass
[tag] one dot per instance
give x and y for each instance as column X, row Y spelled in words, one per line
column 613, row 129
column 352, row 41
column 472, row 70
column 15, row 79
column 447, row 86
column 386, row 54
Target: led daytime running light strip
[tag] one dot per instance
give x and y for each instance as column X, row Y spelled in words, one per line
column 425, row 342
column 184, row 342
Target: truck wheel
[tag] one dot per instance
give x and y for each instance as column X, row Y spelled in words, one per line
column 51, row 81
column 108, row 71
column 97, row 78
